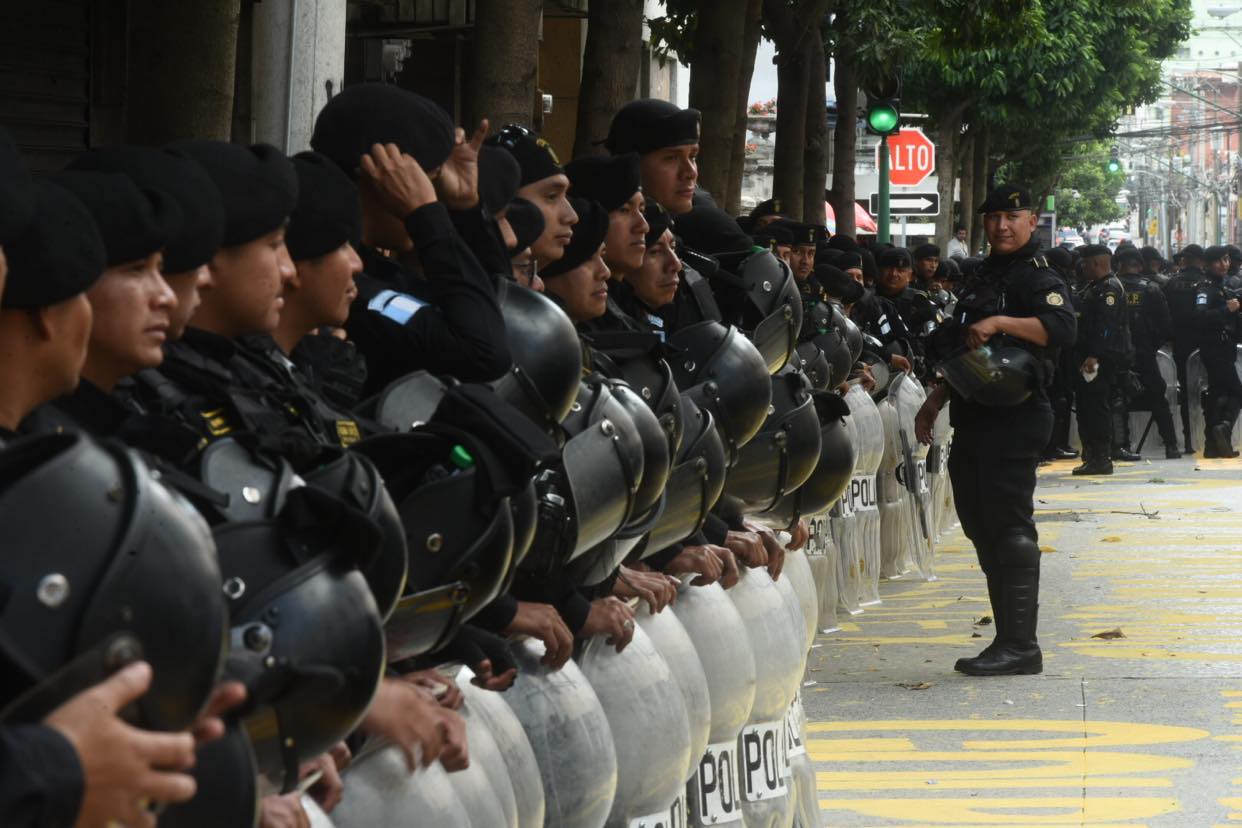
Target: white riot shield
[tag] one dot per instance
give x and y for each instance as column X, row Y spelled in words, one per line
column 489, row 708
column 380, row 790
column 483, row 786
column 650, row 728
column 318, row 819
column 1144, row 436
column 908, row 397
column 1196, row 380
column 673, row 642
column 938, row 473
column 768, row 617
column 723, row 646
column 822, row 557
column 895, row 556
column 859, row 530
column 798, row 569
column 569, row 733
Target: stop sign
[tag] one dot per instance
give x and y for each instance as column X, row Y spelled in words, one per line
column 911, row 157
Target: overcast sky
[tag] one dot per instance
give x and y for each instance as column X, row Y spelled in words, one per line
column 762, row 83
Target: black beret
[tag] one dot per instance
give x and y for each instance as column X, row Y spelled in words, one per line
column 836, row 282
column 1128, row 254
column 1151, row 254
column 1235, row 252
column 1215, row 253
column 610, row 180
column 658, row 220
column 770, row 207
column 257, row 184
column 971, row 263
column 948, row 269
column 327, row 213
column 527, row 222
column 870, row 270
column 201, row 230
column 133, row 222
column 15, row 190
column 534, row 155
column 1006, row 197
column 926, row 251
column 773, row 234
column 650, row 124
column 848, row 261
column 846, row 243
column 589, row 234
column 806, row 233
column 499, row 178
column 1058, row 257
column 708, row 229
column 1191, row 251
column 894, row 257
column 57, row 256
column 366, row 114
column 1088, row 251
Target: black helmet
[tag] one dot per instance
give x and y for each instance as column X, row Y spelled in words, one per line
column 255, row 485
column 723, row 372
column 307, row 640
column 355, row 480
column 547, row 355
column 603, row 463
column 121, row 569
column 880, row 372
column 853, row 337
column 835, row 343
column 226, row 784
column 772, row 315
column 649, row 499
column 652, row 378
column 695, row 482
column 783, row 454
column 813, row 362
column 835, row 467
column 410, row 401
column 997, row 374
column 456, row 529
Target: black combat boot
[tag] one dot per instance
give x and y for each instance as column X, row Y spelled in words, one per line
column 1168, row 434
column 1222, row 437
column 1017, row 653
column 1121, row 436
column 964, row 665
column 1058, row 444
column 1095, row 460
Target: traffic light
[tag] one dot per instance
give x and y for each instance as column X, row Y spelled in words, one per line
column 884, row 106
column 1114, row 163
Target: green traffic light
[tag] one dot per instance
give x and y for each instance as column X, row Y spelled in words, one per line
column 882, row 119
column 1114, row 165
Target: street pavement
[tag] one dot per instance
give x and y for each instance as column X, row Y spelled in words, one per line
column 1140, row 728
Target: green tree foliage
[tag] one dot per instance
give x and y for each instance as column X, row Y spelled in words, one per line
column 1086, row 192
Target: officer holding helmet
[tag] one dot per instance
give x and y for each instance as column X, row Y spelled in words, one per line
column 1019, row 308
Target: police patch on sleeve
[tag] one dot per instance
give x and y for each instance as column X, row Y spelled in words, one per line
column 1055, row 299
column 1201, row 299
column 399, row 307
column 1110, row 299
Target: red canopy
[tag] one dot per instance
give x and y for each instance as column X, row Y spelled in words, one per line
column 863, row 221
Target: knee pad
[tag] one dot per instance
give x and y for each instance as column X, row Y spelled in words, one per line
column 1016, row 549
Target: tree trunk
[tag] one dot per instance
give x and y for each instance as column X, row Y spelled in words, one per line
column 715, row 64
column 815, row 156
column 948, row 146
column 611, row 64
column 967, row 189
column 746, row 71
column 845, row 141
column 506, row 48
column 980, row 162
column 788, row 155
column 182, row 63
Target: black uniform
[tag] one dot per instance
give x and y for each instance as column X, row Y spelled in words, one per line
column 996, row 450
column 1218, row 336
column 878, row 317
column 41, row 783
column 1180, row 291
column 1061, row 394
column 1151, row 326
column 1103, row 334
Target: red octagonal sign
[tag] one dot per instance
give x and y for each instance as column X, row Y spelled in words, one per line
column 911, row 157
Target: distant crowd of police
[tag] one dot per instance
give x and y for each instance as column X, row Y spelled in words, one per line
column 283, row 435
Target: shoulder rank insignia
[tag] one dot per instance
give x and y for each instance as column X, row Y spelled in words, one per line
column 1055, row 299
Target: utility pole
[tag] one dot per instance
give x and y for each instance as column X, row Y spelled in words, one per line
column 884, row 236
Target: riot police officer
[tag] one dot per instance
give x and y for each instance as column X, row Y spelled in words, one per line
column 1102, row 354
column 1150, row 327
column 1015, row 302
column 1216, row 313
column 1180, row 291
column 1061, row 389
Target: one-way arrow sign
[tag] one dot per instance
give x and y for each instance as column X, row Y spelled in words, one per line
column 908, row 204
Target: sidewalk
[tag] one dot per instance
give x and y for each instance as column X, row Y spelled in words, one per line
column 1140, row 730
